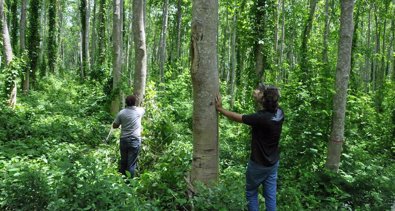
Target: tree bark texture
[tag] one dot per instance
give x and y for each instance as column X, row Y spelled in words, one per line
column 342, row 77
column 162, row 46
column 205, row 167
column 117, row 56
column 305, row 39
column 140, row 50
column 84, row 9
column 8, row 53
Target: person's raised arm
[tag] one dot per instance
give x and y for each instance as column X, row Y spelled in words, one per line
column 230, row 114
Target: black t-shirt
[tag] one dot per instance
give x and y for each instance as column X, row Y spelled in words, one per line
column 266, row 131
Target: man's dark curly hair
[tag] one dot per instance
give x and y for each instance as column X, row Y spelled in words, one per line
column 271, row 95
column 131, row 100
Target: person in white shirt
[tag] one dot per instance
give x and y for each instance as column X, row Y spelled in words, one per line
column 129, row 119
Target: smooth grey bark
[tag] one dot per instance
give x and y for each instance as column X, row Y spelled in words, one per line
column 162, row 46
column 342, row 77
column 7, row 49
column 117, row 56
column 205, row 83
column 140, row 50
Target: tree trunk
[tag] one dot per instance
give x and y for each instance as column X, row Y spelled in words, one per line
column 140, row 50
column 282, row 41
column 14, row 28
column 117, row 56
column 84, row 10
column 8, row 53
column 52, row 42
column 342, row 77
column 22, row 44
column 33, row 40
column 233, row 61
column 94, row 36
column 162, row 47
column 204, row 71
column 326, row 34
column 179, row 24
column 305, row 39
column 259, row 33
column 101, row 34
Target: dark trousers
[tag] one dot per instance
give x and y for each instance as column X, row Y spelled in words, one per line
column 129, row 149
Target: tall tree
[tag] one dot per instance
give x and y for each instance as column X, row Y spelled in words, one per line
column 8, row 53
column 204, row 71
column 342, row 77
column 14, row 24
column 84, row 12
column 163, row 35
column 140, row 50
column 179, row 27
column 259, row 19
column 305, row 39
column 117, row 56
column 101, row 35
column 52, row 31
column 33, row 41
column 22, row 26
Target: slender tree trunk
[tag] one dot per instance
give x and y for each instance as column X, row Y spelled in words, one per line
column 84, row 10
column 259, row 33
column 140, row 50
column 162, row 47
column 305, row 39
column 52, row 41
column 117, row 56
column 22, row 37
column 179, row 24
column 205, row 167
column 101, row 34
column 342, row 77
column 233, row 61
column 14, row 28
column 326, row 34
column 7, row 48
column 33, row 39
column 282, row 40
column 93, row 38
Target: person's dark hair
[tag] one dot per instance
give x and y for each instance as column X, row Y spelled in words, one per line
column 131, row 100
column 271, row 95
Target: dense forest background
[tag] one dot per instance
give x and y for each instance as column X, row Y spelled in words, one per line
column 66, row 66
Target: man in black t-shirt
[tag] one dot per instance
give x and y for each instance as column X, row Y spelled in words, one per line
column 266, row 127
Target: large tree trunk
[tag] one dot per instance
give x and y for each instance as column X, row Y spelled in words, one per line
column 33, row 39
column 162, row 47
column 84, row 10
column 342, row 77
column 117, row 56
column 7, row 52
column 140, row 50
column 204, row 71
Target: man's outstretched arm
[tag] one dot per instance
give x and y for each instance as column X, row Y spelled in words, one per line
column 230, row 114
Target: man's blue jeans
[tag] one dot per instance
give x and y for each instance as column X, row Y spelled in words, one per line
column 129, row 148
column 257, row 175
